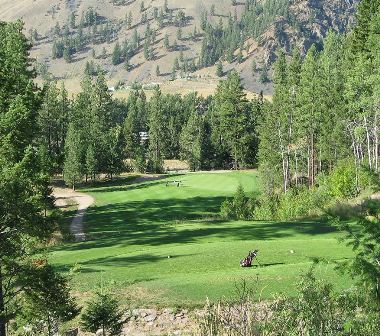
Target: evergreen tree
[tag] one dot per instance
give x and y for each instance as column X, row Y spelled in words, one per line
column 73, row 20
column 116, row 54
column 166, row 42
column 73, row 171
column 191, row 141
column 91, row 163
column 254, row 67
column 47, row 301
column 367, row 9
column 231, row 109
column 102, row 312
column 219, row 69
column 24, row 179
column 264, row 75
column 157, row 133
column 308, row 117
column 130, row 20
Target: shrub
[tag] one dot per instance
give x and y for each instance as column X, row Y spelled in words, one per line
column 318, row 310
column 235, row 318
column 342, row 180
column 240, row 207
column 295, row 203
column 103, row 313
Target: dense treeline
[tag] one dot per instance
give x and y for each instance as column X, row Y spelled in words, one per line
column 325, row 108
column 31, row 292
column 94, row 134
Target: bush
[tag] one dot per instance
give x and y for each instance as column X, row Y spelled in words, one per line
column 318, row 310
column 294, row 204
column 240, row 207
column 103, row 313
column 342, row 180
column 235, row 318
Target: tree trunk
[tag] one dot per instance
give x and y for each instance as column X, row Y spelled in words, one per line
column 296, row 168
column 3, row 330
column 308, row 164
column 376, row 144
column 284, row 172
column 49, row 326
column 368, row 143
column 312, row 157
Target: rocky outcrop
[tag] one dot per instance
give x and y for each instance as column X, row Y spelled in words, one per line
column 144, row 322
column 307, row 23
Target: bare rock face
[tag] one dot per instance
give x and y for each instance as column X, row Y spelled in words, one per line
column 308, row 22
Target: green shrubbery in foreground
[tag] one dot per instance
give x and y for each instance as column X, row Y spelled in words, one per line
column 317, row 310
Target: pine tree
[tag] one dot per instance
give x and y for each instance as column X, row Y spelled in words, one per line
column 91, row 162
column 103, row 312
column 253, row 68
column 264, row 75
column 219, row 69
column 191, row 141
column 73, row 171
column 116, row 54
column 24, row 180
column 231, row 108
column 48, row 298
column 73, row 20
column 166, row 42
column 367, row 9
column 179, row 34
column 130, row 20
column 308, row 117
column 157, row 131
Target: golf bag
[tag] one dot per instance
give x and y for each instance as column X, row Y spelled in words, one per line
column 247, row 261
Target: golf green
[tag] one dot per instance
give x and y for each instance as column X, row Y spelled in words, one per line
column 165, row 245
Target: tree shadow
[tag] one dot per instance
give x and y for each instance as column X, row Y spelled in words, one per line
column 126, row 261
column 157, row 222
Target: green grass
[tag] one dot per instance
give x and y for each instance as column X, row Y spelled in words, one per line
column 134, row 227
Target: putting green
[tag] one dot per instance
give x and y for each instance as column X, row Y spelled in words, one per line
column 165, row 245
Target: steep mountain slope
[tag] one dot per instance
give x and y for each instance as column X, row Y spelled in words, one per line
column 156, row 36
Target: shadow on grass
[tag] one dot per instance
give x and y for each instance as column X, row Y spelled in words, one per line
column 129, row 183
column 155, row 222
column 127, row 261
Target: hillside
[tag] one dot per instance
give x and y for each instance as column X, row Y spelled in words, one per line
column 155, row 38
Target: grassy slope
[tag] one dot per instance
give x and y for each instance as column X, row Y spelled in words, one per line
column 134, row 227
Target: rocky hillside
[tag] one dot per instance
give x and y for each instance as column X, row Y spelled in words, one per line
column 184, row 44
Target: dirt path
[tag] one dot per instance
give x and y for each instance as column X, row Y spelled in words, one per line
column 62, row 197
